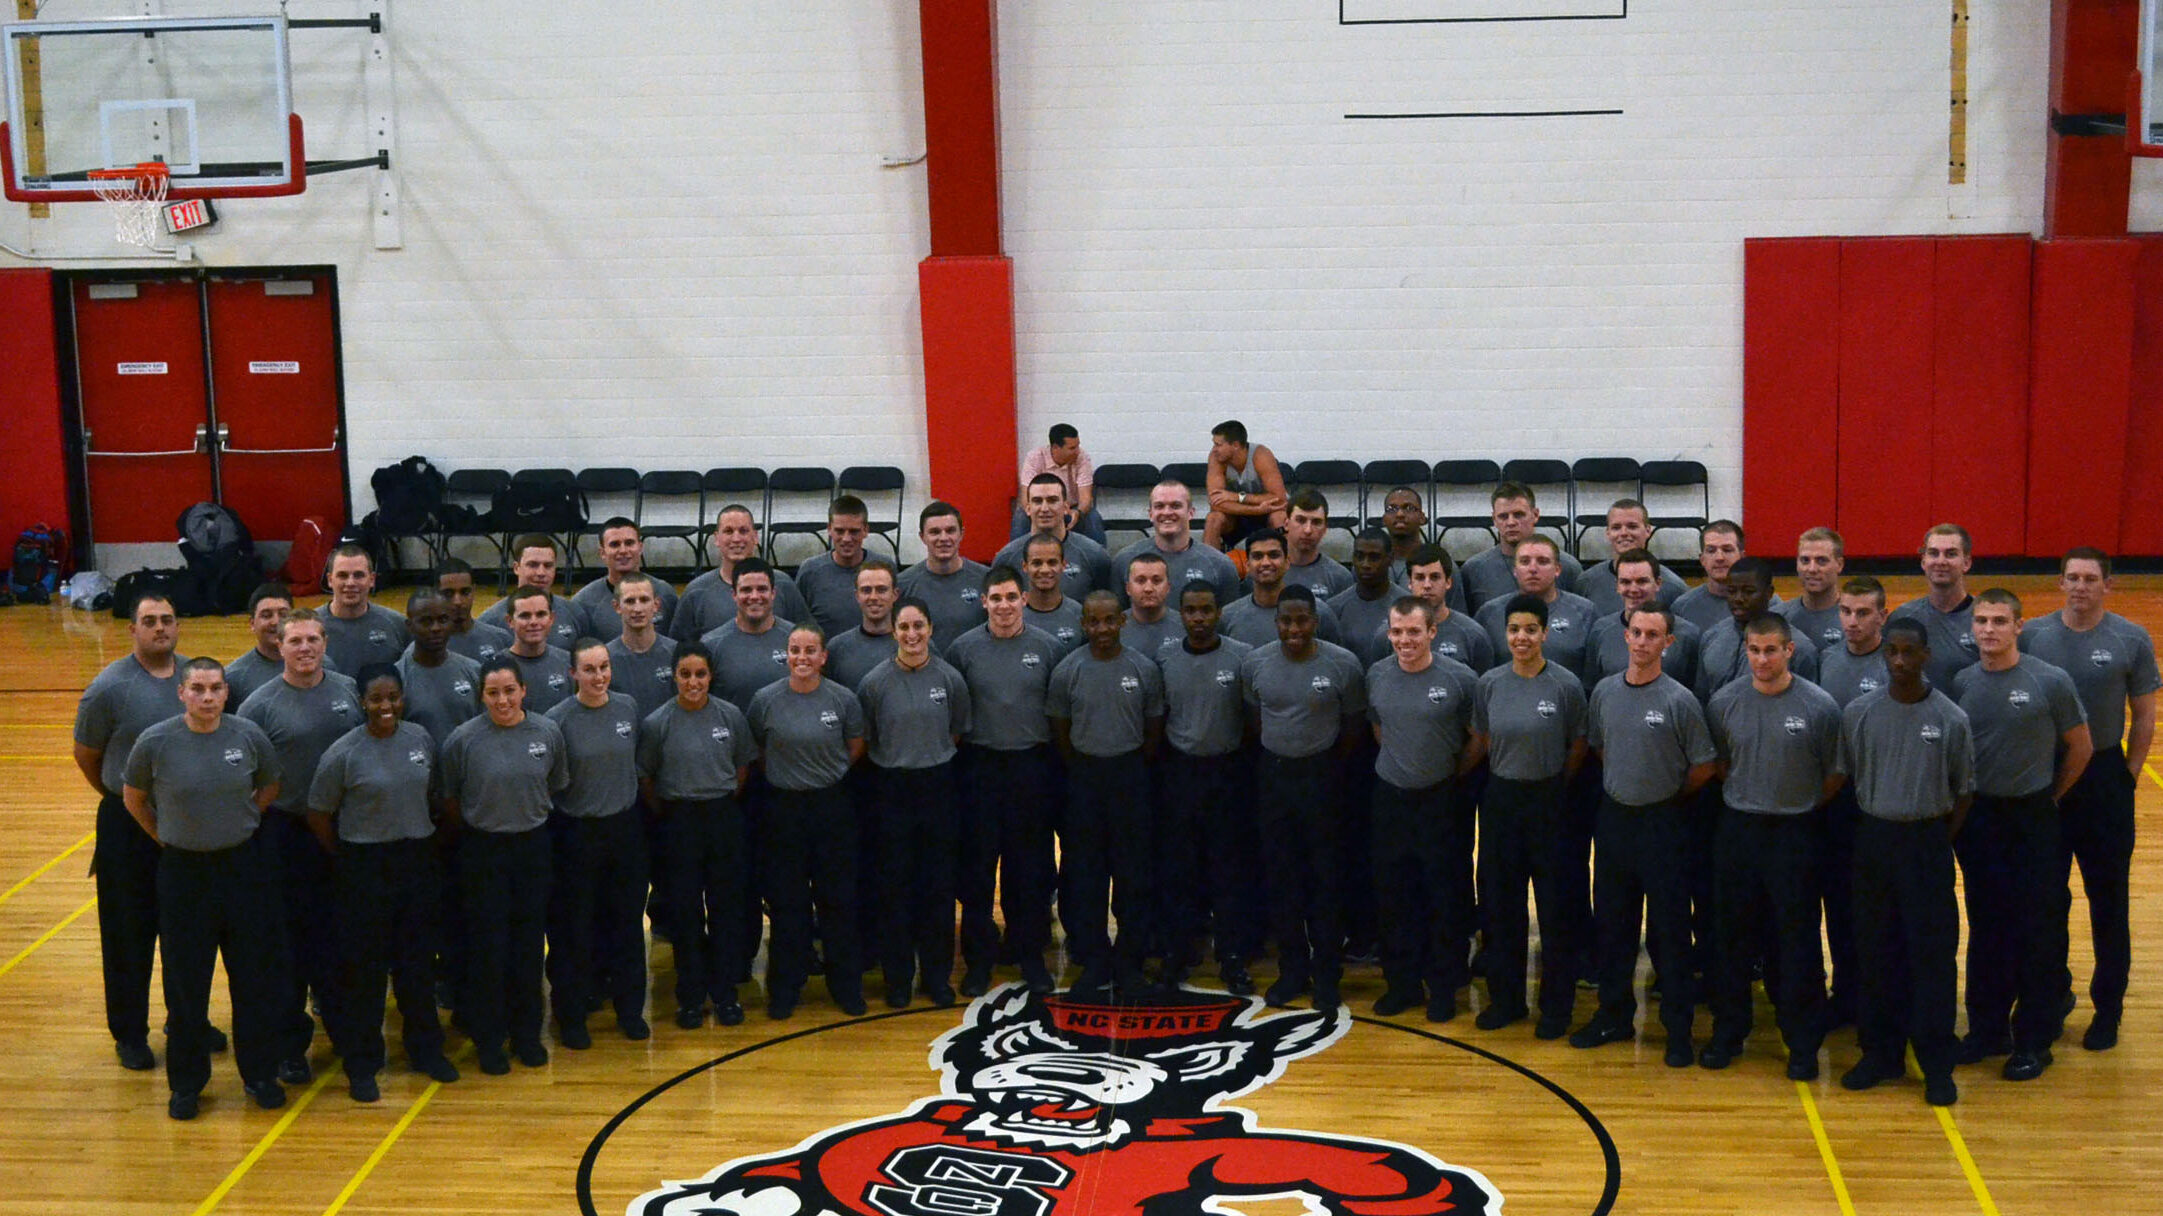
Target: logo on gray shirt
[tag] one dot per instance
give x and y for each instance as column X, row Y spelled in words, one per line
column 537, row 749
column 1931, row 732
column 781, row 657
column 234, row 756
column 938, row 694
column 1655, row 719
column 1129, row 684
column 463, row 688
column 341, row 708
column 829, row 719
column 623, row 729
column 1795, row 725
column 1437, row 694
column 2016, row 696
column 377, row 637
column 969, row 595
column 418, row 756
column 720, row 734
column 1547, row 709
column 1032, row 659
column 1867, row 683
column 1321, row 684
column 2100, row 657
column 1227, row 677
column 558, row 680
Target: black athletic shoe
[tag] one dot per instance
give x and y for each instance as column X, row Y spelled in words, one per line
column 1976, row 1048
column 2027, row 1065
column 1095, row 984
column 781, row 1006
column 1718, row 1054
column 1874, row 1070
column 364, row 1088
column 897, row 995
column 1802, row 1066
column 1601, row 1031
column 183, row 1106
column 574, row 1035
column 1551, row 1027
column 634, row 1027
column 494, row 1062
column 1396, row 1001
column 2102, row 1033
column 729, row 1013
column 942, row 997
column 218, row 1041
column 1326, row 997
column 1233, row 971
column 853, row 1004
column 1033, row 973
column 976, row 981
column 532, row 1055
column 688, row 1018
column 436, row 1068
column 1441, row 1006
column 1941, row 1091
column 267, row 1094
column 136, row 1056
column 295, row 1071
column 1495, row 1017
column 1679, row 1054
column 1284, row 992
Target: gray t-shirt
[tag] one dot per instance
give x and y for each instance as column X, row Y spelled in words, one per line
column 1723, row 657
column 1364, row 622
column 805, row 734
column 482, row 642
column 851, row 656
column 251, row 671
column 1820, row 625
column 376, row 636
column 956, row 600
column 563, row 630
column 1952, row 638
column 1088, row 565
column 1570, row 619
column 1106, row 702
column 1422, row 719
column 1597, row 584
column 692, row 756
column 548, row 678
column 1205, row 709
column 1325, row 576
column 1008, row 679
column 594, row 608
column 378, row 788
column 203, row 786
column 1530, row 721
column 1649, row 737
column 601, row 750
column 2017, row 715
column 1152, row 638
column 911, row 718
column 1459, row 637
column 830, row 589
column 1061, row 624
column 1701, row 607
column 1491, row 574
column 1907, row 761
column 1779, row 749
column 440, row 698
column 2110, row 664
column 504, row 778
column 302, row 724
column 120, row 704
column 649, row 678
column 1257, row 626
column 708, row 601
column 1195, row 563
column 1303, row 704
column 1608, row 652
column 1847, row 675
column 746, row 662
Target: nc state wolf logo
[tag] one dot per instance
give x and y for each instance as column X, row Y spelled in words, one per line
column 1057, row 1108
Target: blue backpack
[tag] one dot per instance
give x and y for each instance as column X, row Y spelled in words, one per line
column 41, row 553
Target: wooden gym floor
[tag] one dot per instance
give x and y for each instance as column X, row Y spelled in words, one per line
column 77, row 1133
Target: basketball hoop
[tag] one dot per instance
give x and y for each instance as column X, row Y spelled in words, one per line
column 133, row 193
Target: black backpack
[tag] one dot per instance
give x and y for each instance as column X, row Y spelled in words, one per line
column 409, row 496
column 222, row 566
column 173, row 586
column 539, row 506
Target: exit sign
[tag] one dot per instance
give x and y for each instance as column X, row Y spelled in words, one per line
column 189, row 213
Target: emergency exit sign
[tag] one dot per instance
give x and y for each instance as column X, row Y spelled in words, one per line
column 189, row 213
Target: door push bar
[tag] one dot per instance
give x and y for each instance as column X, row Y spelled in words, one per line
column 201, row 434
column 226, row 447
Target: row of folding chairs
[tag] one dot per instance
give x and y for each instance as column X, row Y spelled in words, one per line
column 670, row 506
column 1574, row 495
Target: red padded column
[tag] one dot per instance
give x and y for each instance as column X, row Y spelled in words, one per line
column 35, row 489
column 1887, row 398
column 2088, row 178
column 1790, row 386
column 1979, row 449
column 2080, row 386
column 2140, row 520
column 961, row 125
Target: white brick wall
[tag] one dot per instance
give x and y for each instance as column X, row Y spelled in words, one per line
column 665, row 238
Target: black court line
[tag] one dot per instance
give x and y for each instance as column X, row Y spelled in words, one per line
column 1612, row 1158
column 1492, row 114
column 1621, row 16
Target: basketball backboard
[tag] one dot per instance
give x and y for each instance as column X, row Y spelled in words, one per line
column 211, row 98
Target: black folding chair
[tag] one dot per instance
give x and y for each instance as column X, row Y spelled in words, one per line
column 806, row 518
column 1596, row 481
column 1552, row 476
column 1463, row 492
column 1378, row 477
column 869, row 482
column 672, row 506
column 1677, row 482
column 1339, row 481
column 469, row 499
column 609, row 493
column 1116, row 486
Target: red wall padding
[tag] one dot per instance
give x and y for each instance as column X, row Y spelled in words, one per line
column 2082, row 379
column 968, row 316
column 2140, row 521
column 1791, row 380
column 1979, row 447
column 1886, row 394
column 35, row 486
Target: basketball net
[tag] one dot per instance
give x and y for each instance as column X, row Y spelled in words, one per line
column 132, row 194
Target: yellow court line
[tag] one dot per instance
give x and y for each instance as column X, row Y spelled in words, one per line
column 1825, row 1149
column 42, row 758
column 2150, row 770
column 33, row 876
column 9, row 965
column 262, row 1146
column 1967, row 1163
column 383, row 1149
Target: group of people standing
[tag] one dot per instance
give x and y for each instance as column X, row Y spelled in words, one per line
column 1381, row 758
